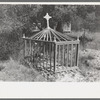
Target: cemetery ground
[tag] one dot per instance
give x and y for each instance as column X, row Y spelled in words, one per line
column 87, row 71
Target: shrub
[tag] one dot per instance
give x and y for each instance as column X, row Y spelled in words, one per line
column 9, row 45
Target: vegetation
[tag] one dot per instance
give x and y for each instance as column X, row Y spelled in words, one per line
column 16, row 20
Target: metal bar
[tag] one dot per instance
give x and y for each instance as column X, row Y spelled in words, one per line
column 74, row 55
column 63, row 55
column 36, row 37
column 37, row 62
column 56, row 36
column 30, row 48
column 25, row 47
column 64, row 36
column 50, row 36
column 33, row 49
column 67, row 54
column 48, row 50
column 59, row 55
column 65, row 60
column 40, row 40
column 44, row 37
column 50, row 55
column 59, row 34
column 77, row 54
column 54, row 56
column 39, row 46
column 41, row 35
column 68, row 42
column 46, row 56
column 36, row 34
column 71, row 55
column 47, row 36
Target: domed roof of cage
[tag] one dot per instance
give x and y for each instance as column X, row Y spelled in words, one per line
column 49, row 34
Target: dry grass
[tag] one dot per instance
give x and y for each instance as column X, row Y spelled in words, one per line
column 89, row 64
column 95, row 44
column 13, row 71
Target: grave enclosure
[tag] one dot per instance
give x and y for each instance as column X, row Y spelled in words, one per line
column 51, row 50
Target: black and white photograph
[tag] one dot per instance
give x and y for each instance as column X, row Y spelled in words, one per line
column 49, row 43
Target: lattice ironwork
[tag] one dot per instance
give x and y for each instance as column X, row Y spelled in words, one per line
column 51, row 50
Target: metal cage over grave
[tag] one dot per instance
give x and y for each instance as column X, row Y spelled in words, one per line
column 51, row 50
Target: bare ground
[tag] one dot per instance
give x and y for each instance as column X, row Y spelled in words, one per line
column 88, row 70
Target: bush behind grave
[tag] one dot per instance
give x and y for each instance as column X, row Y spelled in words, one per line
column 9, row 45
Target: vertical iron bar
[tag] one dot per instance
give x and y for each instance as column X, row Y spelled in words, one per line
column 77, row 55
column 63, row 55
column 34, row 52
column 40, row 53
column 67, row 54
column 55, row 56
column 55, row 46
column 44, row 55
column 71, row 55
column 59, row 56
column 25, row 47
column 74, row 54
column 50, row 55
column 30, row 48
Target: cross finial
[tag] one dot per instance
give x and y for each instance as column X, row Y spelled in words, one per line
column 47, row 17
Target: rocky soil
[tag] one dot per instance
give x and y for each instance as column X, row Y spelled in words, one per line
column 87, row 71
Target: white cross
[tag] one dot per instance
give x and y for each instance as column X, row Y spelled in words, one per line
column 47, row 17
